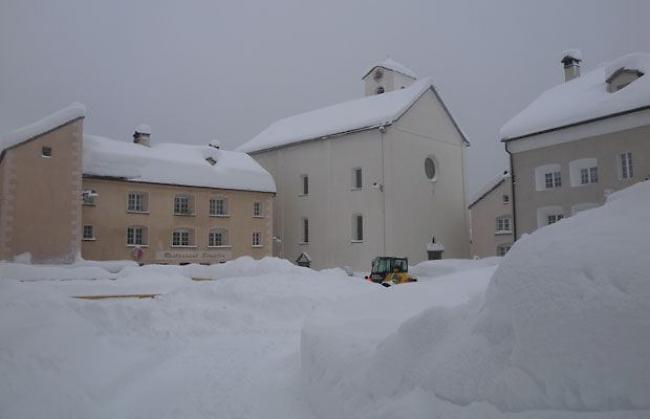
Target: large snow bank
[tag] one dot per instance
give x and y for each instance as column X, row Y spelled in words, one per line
column 562, row 332
column 61, row 117
column 435, row 268
column 177, row 164
column 367, row 112
column 583, row 98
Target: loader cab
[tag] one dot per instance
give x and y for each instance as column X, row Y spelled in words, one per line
column 383, row 265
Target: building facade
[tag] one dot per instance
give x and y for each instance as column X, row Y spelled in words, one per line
column 381, row 175
column 491, row 223
column 594, row 142
column 65, row 194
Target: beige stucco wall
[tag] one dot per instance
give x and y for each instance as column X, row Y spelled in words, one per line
column 110, row 219
column 483, row 215
column 605, row 148
column 40, row 199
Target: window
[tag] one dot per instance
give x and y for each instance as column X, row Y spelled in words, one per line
column 182, row 238
column 218, row 206
column 89, row 232
column 583, row 171
column 505, row 199
column 430, row 168
column 549, row 215
column 553, row 218
column 380, row 90
column 218, row 237
column 137, row 202
column 182, row 205
column 88, row 197
column 503, row 224
column 357, row 228
column 588, row 175
column 136, row 236
column 211, row 160
column 257, row 239
column 357, row 178
column 502, row 249
column 626, row 170
column 46, row 151
column 305, row 230
column 552, row 180
column 258, row 209
column 305, row 184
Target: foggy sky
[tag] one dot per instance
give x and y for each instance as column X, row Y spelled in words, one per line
column 199, row 70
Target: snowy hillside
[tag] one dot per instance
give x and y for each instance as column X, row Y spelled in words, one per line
column 560, row 328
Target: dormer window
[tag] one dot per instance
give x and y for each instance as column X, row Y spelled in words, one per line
column 380, row 90
column 620, row 78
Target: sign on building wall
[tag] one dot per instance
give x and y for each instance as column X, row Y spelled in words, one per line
column 193, row 256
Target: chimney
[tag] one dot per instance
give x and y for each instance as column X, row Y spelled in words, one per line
column 571, row 60
column 142, row 135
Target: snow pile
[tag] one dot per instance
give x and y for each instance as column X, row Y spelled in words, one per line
column 436, row 268
column 562, row 332
column 364, row 113
column 61, row 117
column 176, row 164
column 391, row 64
column 583, row 98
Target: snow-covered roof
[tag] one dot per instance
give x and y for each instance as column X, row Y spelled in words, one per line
column 355, row 115
column 574, row 53
column 583, row 99
column 391, row 64
column 55, row 120
column 176, row 164
column 143, row 129
column 488, row 187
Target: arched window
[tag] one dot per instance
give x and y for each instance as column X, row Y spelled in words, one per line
column 218, row 237
column 183, row 237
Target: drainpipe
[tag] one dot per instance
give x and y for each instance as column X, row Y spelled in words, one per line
column 512, row 193
column 382, row 130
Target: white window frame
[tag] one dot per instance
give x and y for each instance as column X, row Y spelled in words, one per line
column 544, row 212
column 576, row 168
column 140, row 201
column 357, row 227
column 92, row 232
column 505, row 198
column 503, row 249
column 542, row 173
column 218, row 210
column 503, row 224
column 256, row 239
column 178, row 239
column 625, row 166
column 218, row 237
column 258, row 209
column 357, row 179
column 178, row 205
column 132, row 239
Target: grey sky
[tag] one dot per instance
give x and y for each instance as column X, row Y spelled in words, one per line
column 198, row 70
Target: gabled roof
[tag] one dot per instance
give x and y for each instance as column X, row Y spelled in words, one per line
column 50, row 122
column 356, row 115
column 174, row 164
column 583, row 99
column 488, row 187
column 391, row 64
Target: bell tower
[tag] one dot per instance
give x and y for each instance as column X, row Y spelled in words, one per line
column 386, row 76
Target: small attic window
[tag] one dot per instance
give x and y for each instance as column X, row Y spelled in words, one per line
column 46, row 151
column 380, row 90
column 378, row 75
column 622, row 77
column 211, row 161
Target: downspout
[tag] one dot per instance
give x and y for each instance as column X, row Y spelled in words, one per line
column 512, row 193
column 382, row 130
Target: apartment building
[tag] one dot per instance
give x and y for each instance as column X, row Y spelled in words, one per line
column 490, row 212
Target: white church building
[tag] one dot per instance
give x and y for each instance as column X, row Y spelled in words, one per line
column 377, row 176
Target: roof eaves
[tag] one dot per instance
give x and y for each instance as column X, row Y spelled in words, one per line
column 483, row 195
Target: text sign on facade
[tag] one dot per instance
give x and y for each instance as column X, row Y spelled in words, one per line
column 194, row 255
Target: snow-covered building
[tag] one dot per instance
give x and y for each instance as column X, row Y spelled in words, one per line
column 379, row 175
column 580, row 140
column 65, row 194
column 490, row 213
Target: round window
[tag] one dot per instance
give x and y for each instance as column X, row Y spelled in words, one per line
column 380, row 90
column 430, row 168
column 378, row 75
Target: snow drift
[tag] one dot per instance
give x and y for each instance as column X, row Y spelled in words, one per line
column 562, row 331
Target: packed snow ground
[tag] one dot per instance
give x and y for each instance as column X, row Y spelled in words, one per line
column 559, row 328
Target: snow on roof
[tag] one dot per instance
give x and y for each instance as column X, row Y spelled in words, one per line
column 583, row 99
column 488, row 187
column 391, row 64
column 143, row 129
column 363, row 113
column 177, row 164
column 57, row 119
column 571, row 53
